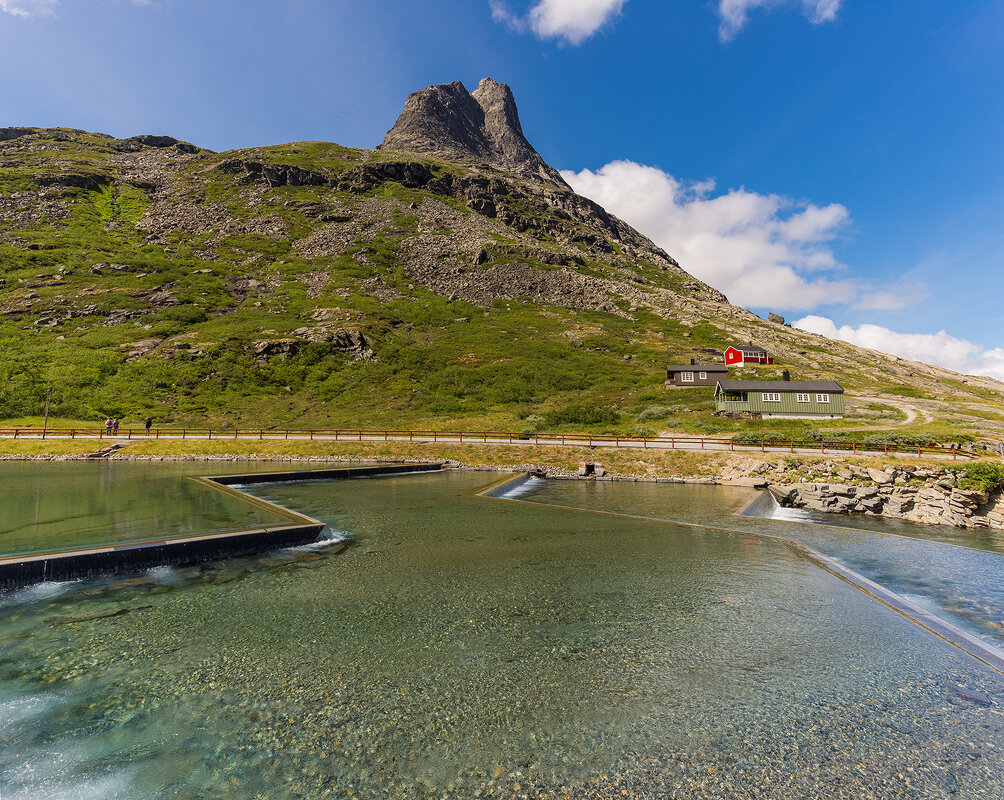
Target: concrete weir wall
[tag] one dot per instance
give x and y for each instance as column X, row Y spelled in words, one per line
column 505, row 486
column 90, row 561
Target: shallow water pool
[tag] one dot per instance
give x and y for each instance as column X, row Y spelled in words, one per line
column 466, row 647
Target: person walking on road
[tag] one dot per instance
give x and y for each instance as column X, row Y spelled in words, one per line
column 115, row 427
column 108, row 426
column 149, row 424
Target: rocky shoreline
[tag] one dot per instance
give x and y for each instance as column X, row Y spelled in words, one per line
column 914, row 494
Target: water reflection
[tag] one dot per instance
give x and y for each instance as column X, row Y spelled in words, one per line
column 963, row 585
column 53, row 505
column 463, row 647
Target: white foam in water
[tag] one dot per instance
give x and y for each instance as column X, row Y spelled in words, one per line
column 165, row 575
column 792, row 514
column 766, row 506
column 329, row 538
column 49, row 787
column 524, row 487
column 14, row 711
column 46, row 590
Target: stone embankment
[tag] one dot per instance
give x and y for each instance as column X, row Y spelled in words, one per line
column 928, row 495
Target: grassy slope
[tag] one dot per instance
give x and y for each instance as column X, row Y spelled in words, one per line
column 439, row 362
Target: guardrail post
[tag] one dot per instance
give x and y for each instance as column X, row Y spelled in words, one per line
column 854, row 448
column 887, row 449
column 235, row 432
column 702, row 442
column 763, row 446
column 792, row 445
column 210, row 433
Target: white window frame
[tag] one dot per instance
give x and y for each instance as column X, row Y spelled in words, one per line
column 822, row 398
column 772, row 397
column 803, row 398
column 703, row 376
column 686, row 377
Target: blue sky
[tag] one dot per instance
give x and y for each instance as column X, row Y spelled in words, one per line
column 837, row 161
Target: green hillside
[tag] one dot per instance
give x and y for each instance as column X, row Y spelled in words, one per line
column 309, row 284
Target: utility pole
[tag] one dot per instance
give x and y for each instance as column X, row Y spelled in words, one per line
column 48, row 399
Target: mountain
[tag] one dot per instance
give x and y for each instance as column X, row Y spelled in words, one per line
column 447, row 277
column 480, row 127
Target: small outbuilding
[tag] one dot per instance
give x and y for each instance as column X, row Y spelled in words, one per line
column 782, row 399
column 740, row 354
column 695, row 374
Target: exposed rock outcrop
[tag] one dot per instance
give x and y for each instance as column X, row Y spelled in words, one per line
column 928, row 496
column 481, row 126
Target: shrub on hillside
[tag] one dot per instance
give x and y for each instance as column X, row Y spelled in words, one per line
column 582, row 414
column 640, row 430
column 654, row 412
column 533, row 423
column 983, row 476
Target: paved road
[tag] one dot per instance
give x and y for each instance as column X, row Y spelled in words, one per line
column 685, row 444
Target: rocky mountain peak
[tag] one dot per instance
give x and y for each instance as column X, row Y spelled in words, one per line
column 480, row 126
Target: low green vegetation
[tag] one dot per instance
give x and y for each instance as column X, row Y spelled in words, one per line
column 983, row 476
column 113, row 304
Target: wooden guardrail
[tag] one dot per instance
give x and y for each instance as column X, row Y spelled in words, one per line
column 487, row 437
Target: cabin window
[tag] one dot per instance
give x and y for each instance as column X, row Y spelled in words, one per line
column 771, row 397
column 687, row 377
column 822, row 398
column 704, row 376
column 803, row 398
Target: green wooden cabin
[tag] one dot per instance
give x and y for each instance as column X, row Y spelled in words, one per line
column 782, row 399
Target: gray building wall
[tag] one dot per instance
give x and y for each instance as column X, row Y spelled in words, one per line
column 710, row 379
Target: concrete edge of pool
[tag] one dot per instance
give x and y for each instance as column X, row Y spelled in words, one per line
column 974, row 647
column 89, row 561
column 73, row 563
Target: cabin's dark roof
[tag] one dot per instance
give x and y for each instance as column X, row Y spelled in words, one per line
column 697, row 368
column 781, row 386
column 749, row 348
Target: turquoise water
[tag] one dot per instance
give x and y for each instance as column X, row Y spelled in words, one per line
column 52, row 505
column 465, row 647
column 963, row 585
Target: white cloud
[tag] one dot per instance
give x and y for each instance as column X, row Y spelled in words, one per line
column 933, row 348
column 29, row 8
column 734, row 14
column 571, row 20
column 34, row 9
column 761, row 250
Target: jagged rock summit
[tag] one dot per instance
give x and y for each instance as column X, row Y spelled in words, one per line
column 481, row 126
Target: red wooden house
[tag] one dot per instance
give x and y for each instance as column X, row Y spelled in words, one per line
column 737, row 355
